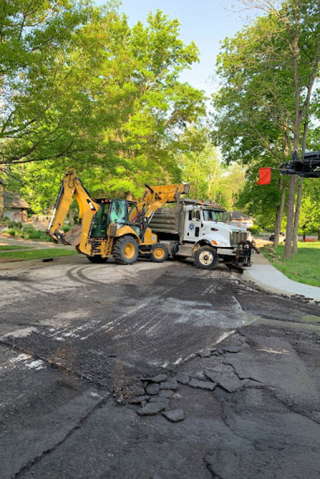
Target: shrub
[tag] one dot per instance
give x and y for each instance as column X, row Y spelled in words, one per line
column 34, row 235
column 39, row 235
column 66, row 228
column 29, row 229
column 10, row 231
column 15, row 225
column 254, row 229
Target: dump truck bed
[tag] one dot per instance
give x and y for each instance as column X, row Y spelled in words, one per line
column 168, row 223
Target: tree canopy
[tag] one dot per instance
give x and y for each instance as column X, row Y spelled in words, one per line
column 263, row 109
column 88, row 90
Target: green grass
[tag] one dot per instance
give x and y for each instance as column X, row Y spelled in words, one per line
column 35, row 254
column 303, row 267
column 6, row 247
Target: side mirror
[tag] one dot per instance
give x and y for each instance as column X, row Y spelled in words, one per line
column 195, row 214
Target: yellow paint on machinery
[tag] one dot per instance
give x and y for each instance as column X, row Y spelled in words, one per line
column 81, row 236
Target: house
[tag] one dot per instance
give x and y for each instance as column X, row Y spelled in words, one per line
column 241, row 219
column 15, row 208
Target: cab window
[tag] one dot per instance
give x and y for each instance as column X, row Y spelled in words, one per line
column 195, row 215
column 99, row 228
column 118, row 212
column 209, row 215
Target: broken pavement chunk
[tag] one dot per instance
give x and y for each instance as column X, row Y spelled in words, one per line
column 152, row 389
column 199, row 375
column 175, row 415
column 211, row 375
column 195, row 383
column 182, row 378
column 138, row 399
column 151, row 409
column 171, row 384
column 206, row 353
column 166, row 393
column 156, row 379
column 232, row 349
column 230, row 385
column 159, row 400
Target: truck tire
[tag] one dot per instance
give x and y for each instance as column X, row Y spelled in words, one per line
column 159, row 253
column 97, row 259
column 125, row 250
column 206, row 258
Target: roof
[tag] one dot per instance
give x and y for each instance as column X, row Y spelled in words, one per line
column 11, row 200
column 237, row 215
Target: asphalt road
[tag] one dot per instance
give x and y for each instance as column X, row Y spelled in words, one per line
column 80, row 346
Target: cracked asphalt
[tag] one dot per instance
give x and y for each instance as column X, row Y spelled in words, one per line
column 80, row 344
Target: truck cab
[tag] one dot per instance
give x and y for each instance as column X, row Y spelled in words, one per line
column 207, row 223
column 200, row 230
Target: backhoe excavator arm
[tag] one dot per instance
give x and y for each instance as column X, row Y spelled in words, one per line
column 71, row 185
column 157, row 196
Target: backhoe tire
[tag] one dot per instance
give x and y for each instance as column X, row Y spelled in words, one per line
column 206, row 258
column 159, row 253
column 97, row 259
column 125, row 250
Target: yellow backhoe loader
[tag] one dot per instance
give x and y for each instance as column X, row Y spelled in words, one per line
column 111, row 226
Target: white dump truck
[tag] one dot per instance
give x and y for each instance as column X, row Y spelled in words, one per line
column 197, row 229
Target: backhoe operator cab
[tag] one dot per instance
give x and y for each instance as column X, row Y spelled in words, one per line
column 115, row 211
column 111, row 226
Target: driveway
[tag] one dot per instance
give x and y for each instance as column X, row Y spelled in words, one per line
column 82, row 347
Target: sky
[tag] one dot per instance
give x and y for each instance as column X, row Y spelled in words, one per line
column 206, row 22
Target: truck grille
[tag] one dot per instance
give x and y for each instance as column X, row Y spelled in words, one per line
column 238, row 237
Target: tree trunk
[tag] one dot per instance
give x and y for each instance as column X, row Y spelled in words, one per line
column 290, row 216
column 280, row 210
column 296, row 218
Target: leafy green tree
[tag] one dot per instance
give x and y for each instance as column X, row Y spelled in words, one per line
column 252, row 108
column 35, row 39
column 261, row 203
column 159, row 106
column 209, row 178
column 269, row 71
column 109, row 103
column 310, row 206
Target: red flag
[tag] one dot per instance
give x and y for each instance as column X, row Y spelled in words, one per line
column 264, row 176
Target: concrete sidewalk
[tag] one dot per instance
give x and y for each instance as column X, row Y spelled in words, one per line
column 268, row 277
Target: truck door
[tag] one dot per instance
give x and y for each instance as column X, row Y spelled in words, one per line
column 193, row 226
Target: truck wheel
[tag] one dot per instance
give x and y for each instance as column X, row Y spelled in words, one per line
column 206, row 258
column 97, row 259
column 159, row 253
column 125, row 250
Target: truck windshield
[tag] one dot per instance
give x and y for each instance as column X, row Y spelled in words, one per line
column 211, row 215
